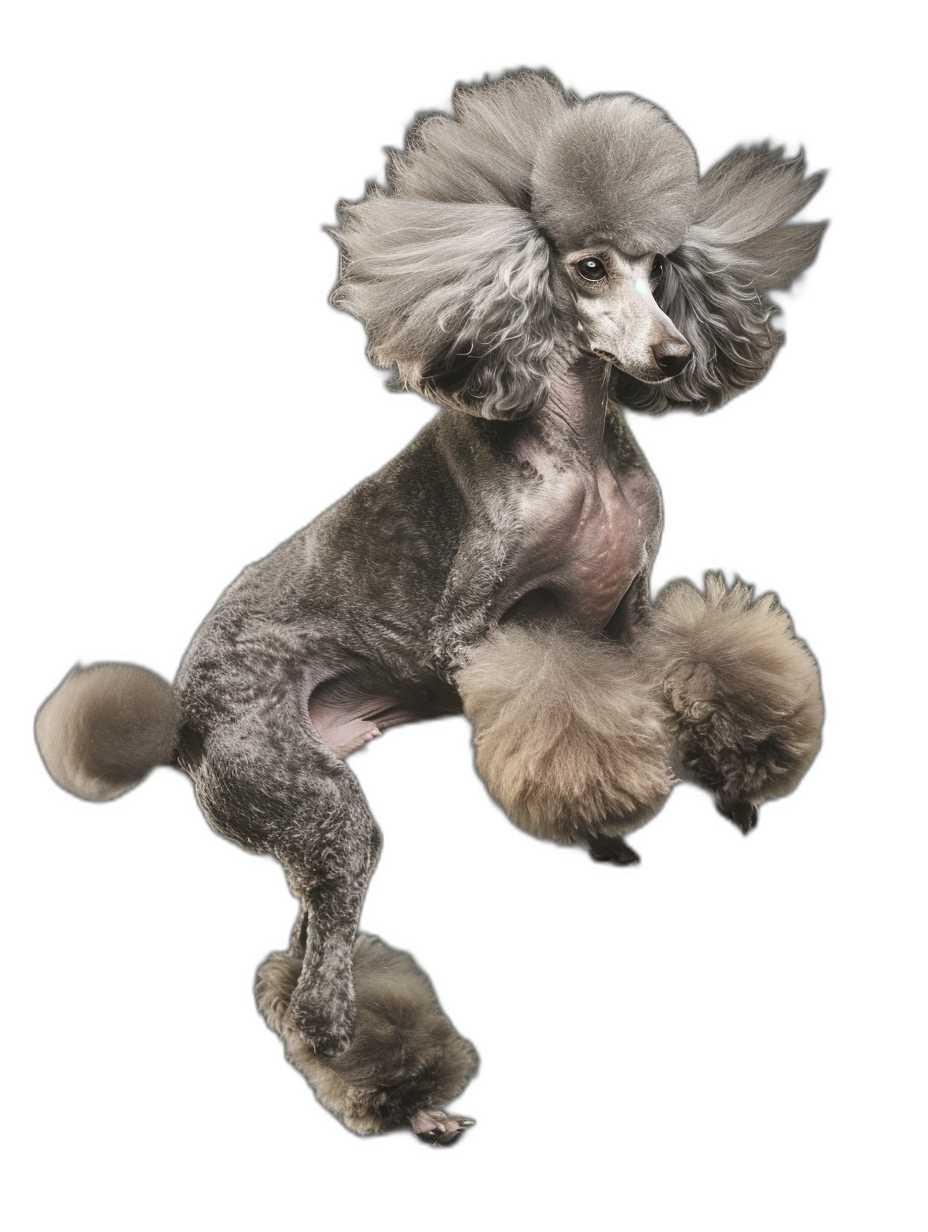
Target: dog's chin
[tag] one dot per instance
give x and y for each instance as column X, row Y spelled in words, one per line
column 646, row 375
column 650, row 378
column 646, row 394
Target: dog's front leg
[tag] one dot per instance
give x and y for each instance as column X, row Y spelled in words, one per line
column 741, row 692
column 569, row 736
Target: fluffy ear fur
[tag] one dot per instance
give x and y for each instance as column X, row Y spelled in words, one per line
column 447, row 269
column 456, row 297
column 486, row 151
column 713, row 287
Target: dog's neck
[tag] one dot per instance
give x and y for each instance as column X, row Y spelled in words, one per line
column 574, row 413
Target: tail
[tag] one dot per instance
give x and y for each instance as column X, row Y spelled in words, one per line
column 105, row 727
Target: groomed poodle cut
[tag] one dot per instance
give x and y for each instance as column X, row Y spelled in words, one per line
column 451, row 269
column 534, row 263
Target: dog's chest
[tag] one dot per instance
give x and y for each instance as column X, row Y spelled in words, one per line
column 584, row 537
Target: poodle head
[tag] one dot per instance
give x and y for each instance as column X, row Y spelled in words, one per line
column 532, row 222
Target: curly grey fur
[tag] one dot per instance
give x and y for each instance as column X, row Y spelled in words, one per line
column 457, row 297
column 500, row 564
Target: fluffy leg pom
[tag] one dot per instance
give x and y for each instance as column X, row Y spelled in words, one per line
column 742, row 692
column 405, row 1059
column 569, row 739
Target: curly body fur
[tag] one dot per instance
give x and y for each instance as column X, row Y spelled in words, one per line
column 511, row 272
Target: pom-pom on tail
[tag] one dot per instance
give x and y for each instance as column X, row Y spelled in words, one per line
column 105, row 727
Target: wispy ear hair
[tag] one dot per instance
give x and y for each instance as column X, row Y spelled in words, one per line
column 714, row 283
column 456, row 297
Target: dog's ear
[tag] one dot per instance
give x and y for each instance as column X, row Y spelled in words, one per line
column 457, row 298
column 713, row 287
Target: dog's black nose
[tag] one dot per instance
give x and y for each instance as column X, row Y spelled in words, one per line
column 671, row 357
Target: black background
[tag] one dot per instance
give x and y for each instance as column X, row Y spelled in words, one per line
column 191, row 402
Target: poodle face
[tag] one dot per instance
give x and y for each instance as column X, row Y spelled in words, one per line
column 618, row 318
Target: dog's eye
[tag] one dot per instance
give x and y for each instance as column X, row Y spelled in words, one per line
column 657, row 271
column 591, row 269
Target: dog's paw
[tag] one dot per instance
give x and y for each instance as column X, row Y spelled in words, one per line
column 742, row 813
column 327, row 1032
column 742, row 693
column 438, row 1128
column 612, row 849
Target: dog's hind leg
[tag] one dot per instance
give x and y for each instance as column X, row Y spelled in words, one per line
column 742, row 694
column 405, row 1060
column 329, row 864
column 569, row 737
column 266, row 780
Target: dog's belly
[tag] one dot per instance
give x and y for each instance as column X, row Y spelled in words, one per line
column 350, row 708
column 586, row 540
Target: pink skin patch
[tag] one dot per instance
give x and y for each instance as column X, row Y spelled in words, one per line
column 343, row 732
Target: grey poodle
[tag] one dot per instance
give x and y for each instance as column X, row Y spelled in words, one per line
column 536, row 262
